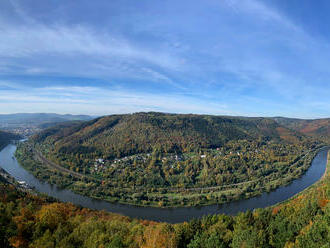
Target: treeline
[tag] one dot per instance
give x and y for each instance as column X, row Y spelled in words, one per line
column 34, row 221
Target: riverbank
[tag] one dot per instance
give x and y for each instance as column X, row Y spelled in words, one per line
column 312, row 188
column 29, row 221
column 172, row 215
column 100, row 189
column 21, row 186
column 326, row 173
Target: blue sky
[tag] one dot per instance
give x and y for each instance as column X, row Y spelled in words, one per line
column 224, row 57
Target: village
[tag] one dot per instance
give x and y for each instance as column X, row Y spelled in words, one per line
column 100, row 165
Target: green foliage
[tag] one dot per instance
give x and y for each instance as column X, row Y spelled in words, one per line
column 32, row 221
column 117, row 136
column 239, row 169
column 169, row 160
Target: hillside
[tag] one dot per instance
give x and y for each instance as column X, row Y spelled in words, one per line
column 27, row 124
column 6, row 137
column 319, row 128
column 27, row 220
column 38, row 118
column 169, row 159
column 121, row 135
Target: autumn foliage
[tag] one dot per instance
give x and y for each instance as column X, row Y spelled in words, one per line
column 31, row 221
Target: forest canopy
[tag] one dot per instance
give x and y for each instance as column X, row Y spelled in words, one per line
column 33, row 221
column 168, row 160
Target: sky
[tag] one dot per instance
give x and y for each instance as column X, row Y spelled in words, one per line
column 222, row 57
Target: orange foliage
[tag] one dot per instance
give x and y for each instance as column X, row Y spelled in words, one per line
column 21, row 221
column 276, row 209
column 159, row 236
column 323, row 202
column 285, row 134
column 18, row 242
column 148, row 222
column 306, row 228
column 53, row 214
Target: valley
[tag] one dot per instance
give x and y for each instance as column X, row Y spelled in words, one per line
column 168, row 160
column 38, row 221
column 268, row 161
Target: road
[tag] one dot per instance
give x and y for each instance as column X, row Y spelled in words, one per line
column 38, row 155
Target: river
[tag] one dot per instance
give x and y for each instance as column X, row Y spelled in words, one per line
column 172, row 215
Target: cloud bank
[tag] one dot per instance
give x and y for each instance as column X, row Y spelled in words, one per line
column 222, row 57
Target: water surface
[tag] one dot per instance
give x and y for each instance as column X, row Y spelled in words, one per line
column 172, row 215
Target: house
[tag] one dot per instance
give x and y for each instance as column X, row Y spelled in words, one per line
column 100, row 160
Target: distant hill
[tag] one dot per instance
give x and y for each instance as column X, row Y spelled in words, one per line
column 29, row 124
column 121, row 135
column 319, row 128
column 38, row 118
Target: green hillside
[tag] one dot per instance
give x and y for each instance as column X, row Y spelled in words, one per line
column 121, row 135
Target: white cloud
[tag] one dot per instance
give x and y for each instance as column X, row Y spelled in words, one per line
column 254, row 58
column 23, row 41
column 268, row 51
column 257, row 9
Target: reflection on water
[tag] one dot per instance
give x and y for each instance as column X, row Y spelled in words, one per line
column 173, row 215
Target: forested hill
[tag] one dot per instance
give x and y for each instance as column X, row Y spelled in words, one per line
column 38, row 118
column 27, row 220
column 5, row 138
column 121, row 135
column 319, row 128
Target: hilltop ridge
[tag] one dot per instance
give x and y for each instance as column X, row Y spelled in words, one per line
column 122, row 135
column 317, row 128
